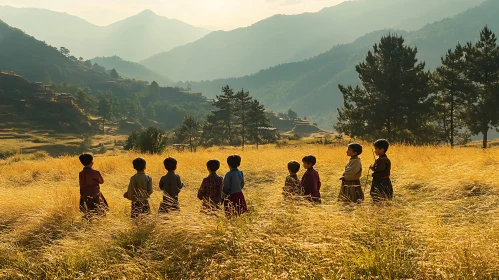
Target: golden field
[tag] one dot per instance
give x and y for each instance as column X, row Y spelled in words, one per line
column 442, row 224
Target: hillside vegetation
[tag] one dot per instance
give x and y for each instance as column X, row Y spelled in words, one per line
column 442, row 224
column 131, row 70
column 310, row 87
column 134, row 38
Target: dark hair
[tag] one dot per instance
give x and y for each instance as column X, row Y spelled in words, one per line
column 356, row 148
column 234, row 161
column 213, row 165
column 309, row 159
column 382, row 144
column 139, row 164
column 294, row 166
column 86, row 159
column 170, row 163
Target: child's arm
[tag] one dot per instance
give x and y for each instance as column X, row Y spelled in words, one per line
column 202, row 190
column 242, row 180
column 227, row 185
column 149, row 185
column 99, row 178
column 131, row 186
column 180, row 183
column 352, row 169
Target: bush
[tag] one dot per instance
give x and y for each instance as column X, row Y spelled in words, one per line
column 85, row 145
column 151, row 140
column 102, row 148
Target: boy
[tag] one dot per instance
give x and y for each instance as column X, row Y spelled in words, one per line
column 91, row 199
column 381, row 188
column 351, row 189
column 171, row 185
column 139, row 189
column 210, row 191
column 310, row 182
column 292, row 187
column 234, row 202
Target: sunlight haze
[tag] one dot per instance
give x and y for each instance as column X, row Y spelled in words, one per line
column 212, row 14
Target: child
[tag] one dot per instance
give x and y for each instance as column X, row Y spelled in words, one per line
column 310, row 182
column 91, row 199
column 139, row 189
column 234, row 202
column 292, row 187
column 351, row 189
column 381, row 188
column 210, row 191
column 171, row 185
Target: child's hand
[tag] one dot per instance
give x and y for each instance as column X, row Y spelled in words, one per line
column 125, row 195
column 342, row 178
column 371, row 167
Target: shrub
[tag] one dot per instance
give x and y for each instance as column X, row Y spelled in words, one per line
column 151, row 140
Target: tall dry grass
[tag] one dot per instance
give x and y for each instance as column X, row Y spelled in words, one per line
column 443, row 223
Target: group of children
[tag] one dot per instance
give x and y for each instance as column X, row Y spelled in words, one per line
column 216, row 192
column 351, row 188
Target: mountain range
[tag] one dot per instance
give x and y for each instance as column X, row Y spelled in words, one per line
column 289, row 38
column 310, row 87
column 135, row 38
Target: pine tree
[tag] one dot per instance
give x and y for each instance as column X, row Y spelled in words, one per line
column 242, row 105
column 105, row 110
column 482, row 69
column 188, row 130
column 256, row 120
column 226, row 108
column 451, row 86
column 393, row 101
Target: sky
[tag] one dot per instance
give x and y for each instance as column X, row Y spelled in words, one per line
column 212, row 14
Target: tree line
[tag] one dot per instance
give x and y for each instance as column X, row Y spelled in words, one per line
column 237, row 119
column 399, row 100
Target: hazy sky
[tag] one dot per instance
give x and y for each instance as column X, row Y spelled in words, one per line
column 222, row 14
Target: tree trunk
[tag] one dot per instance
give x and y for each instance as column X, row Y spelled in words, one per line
column 190, row 142
column 485, row 134
column 452, row 122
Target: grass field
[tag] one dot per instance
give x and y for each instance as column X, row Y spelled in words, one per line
column 442, row 224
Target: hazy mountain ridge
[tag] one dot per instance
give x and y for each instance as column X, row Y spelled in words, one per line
column 131, row 70
column 281, row 39
column 133, row 39
column 310, row 87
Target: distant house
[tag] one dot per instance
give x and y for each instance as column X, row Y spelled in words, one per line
column 63, row 98
column 47, row 87
column 40, row 84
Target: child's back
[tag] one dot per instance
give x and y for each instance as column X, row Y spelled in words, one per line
column 235, row 202
column 210, row 191
column 311, row 182
column 139, row 189
column 292, row 186
column 170, row 184
column 91, row 199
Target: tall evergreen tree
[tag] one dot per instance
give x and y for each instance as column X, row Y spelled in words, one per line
column 226, row 109
column 105, row 111
column 256, row 119
column 451, row 86
column 242, row 105
column 482, row 69
column 188, row 130
column 393, row 101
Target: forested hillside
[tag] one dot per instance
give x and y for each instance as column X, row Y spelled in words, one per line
column 310, row 87
column 288, row 38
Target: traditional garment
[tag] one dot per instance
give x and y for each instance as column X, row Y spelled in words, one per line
column 210, row 192
column 233, row 183
column 292, row 187
column 140, row 207
column 139, row 191
column 351, row 189
column 235, row 204
column 91, row 199
column 171, row 185
column 311, row 185
column 381, row 188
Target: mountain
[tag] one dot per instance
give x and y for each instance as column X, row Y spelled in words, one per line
column 131, row 70
column 310, row 87
column 134, row 38
column 288, row 38
column 37, row 61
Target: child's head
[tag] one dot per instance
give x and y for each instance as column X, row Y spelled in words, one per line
column 213, row 165
column 293, row 167
column 170, row 164
column 86, row 159
column 234, row 161
column 381, row 146
column 354, row 149
column 309, row 161
column 139, row 164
